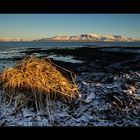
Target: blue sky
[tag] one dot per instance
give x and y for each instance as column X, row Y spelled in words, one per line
column 32, row 26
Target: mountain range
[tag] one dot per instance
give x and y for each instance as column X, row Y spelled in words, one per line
column 82, row 37
column 89, row 37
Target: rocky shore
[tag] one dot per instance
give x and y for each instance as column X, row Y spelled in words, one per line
column 109, row 84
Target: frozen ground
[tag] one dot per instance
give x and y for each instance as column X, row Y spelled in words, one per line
column 106, row 100
column 109, row 84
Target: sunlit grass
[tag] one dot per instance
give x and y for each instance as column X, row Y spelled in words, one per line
column 32, row 79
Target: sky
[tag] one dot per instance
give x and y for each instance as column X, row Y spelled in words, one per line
column 36, row 26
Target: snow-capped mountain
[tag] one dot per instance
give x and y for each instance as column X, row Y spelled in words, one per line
column 82, row 37
column 88, row 37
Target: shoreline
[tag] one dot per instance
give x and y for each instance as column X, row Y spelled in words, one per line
column 101, row 57
column 90, row 41
column 109, row 86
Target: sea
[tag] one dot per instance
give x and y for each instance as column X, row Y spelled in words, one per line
column 11, row 50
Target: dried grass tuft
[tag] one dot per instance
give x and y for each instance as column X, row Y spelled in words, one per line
column 35, row 78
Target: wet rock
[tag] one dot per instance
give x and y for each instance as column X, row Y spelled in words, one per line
column 81, row 68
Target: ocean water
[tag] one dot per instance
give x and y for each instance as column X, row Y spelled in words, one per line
column 11, row 50
column 64, row 44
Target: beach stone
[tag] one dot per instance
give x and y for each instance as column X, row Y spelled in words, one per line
column 82, row 68
column 138, row 91
column 90, row 98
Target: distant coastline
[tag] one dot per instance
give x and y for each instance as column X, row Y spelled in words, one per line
column 80, row 41
column 76, row 38
column 90, row 41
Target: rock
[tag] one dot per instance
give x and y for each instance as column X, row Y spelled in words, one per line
column 85, row 83
column 82, row 68
column 90, row 98
column 138, row 92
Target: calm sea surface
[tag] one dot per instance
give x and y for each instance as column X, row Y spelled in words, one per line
column 64, row 44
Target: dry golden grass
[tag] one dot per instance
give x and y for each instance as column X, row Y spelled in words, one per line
column 34, row 78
